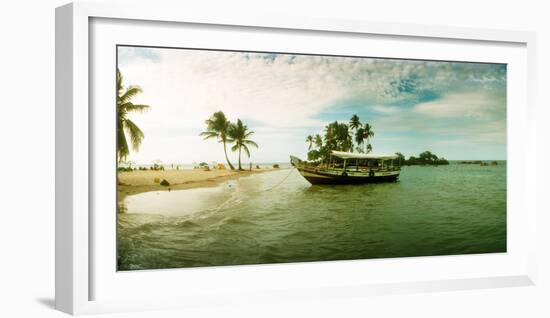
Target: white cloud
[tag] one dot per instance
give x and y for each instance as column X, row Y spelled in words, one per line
column 475, row 105
column 383, row 109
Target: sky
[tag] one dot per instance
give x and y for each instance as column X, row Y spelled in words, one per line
column 456, row 110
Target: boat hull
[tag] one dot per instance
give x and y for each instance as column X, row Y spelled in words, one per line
column 320, row 177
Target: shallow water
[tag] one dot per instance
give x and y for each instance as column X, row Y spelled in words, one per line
column 455, row 209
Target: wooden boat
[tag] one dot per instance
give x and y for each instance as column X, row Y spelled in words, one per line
column 350, row 168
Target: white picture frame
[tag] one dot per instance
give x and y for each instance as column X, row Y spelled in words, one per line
column 75, row 267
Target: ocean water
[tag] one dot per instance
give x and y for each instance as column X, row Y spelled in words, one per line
column 278, row 217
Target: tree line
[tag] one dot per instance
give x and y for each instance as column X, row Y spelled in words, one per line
column 425, row 158
column 339, row 136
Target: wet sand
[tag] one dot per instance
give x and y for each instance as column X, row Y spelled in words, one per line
column 133, row 182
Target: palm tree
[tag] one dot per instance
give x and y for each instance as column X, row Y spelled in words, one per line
column 361, row 134
column 360, row 138
column 125, row 126
column 318, row 141
column 368, row 134
column 344, row 138
column 337, row 137
column 319, row 150
column 309, row 139
column 217, row 126
column 239, row 134
column 369, row 148
column 330, row 136
column 354, row 122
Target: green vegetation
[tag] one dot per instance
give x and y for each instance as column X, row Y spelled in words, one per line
column 478, row 162
column 218, row 126
column 157, row 167
column 426, row 158
column 239, row 134
column 125, row 126
column 401, row 158
column 154, row 167
column 356, row 136
column 351, row 137
column 126, row 169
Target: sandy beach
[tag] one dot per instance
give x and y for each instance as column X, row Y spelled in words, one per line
column 133, row 182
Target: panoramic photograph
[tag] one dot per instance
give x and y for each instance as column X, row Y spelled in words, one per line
column 240, row 158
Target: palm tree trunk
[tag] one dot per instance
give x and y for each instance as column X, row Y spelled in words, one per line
column 227, row 158
column 240, row 159
column 368, row 143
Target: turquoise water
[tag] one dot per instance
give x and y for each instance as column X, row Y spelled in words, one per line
column 455, row 209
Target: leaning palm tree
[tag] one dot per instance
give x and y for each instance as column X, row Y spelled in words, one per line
column 125, row 126
column 217, row 126
column 309, row 139
column 239, row 134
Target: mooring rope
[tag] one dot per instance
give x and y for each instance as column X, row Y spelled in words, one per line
column 223, row 204
column 278, row 184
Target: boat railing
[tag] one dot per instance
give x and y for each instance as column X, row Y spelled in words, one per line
column 354, row 168
column 376, row 169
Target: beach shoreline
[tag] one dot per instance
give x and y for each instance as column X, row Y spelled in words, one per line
column 135, row 182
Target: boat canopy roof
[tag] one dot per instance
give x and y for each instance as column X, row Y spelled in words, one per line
column 356, row 155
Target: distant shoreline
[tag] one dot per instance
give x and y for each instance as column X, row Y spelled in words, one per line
column 134, row 182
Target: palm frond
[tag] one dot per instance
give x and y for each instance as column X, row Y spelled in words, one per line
column 218, row 122
column 248, row 134
column 250, row 142
column 354, row 122
column 136, row 135
column 119, row 80
column 246, row 150
column 130, row 107
column 209, row 134
column 131, row 92
column 125, row 125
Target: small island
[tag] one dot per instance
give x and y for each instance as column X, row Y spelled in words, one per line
column 426, row 158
